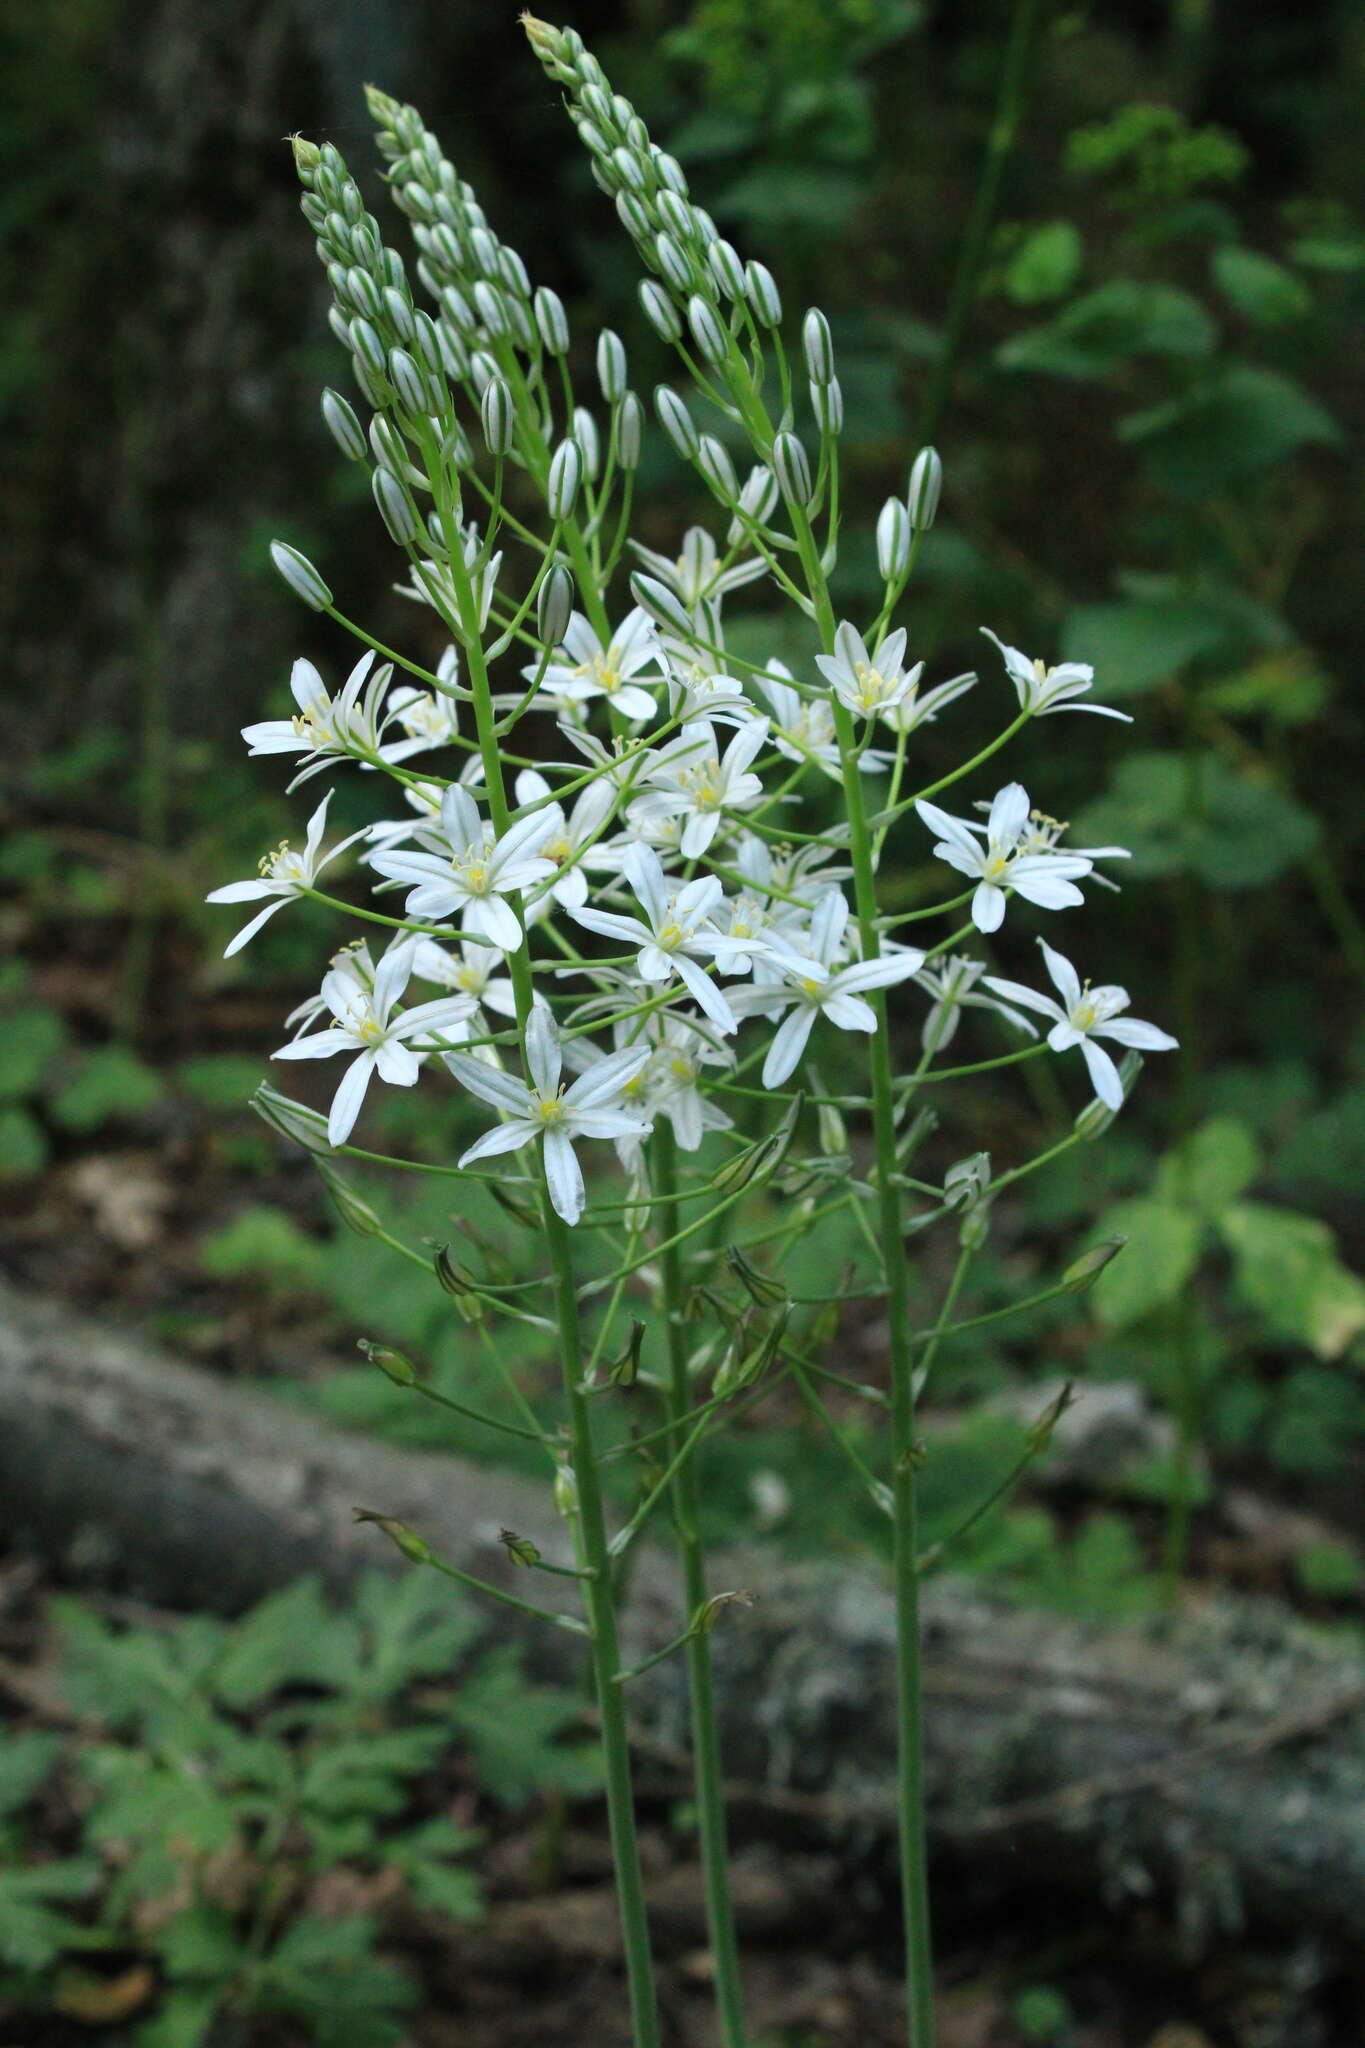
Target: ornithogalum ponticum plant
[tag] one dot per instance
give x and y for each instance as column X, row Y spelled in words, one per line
column 616, row 923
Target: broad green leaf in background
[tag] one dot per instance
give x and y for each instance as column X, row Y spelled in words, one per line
column 1211, row 1168
column 109, row 1083
column 1161, row 1255
column 1261, row 289
column 35, row 1926
column 24, row 1150
column 1108, row 327
column 33, row 1038
column 291, row 1638
column 1046, row 264
column 1285, row 1264
column 1133, row 645
column 1202, row 817
column 1233, row 423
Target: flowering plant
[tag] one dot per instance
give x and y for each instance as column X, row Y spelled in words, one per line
column 638, row 936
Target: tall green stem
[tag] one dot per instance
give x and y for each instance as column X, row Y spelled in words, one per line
column 706, row 1763
column 905, row 1501
column 590, row 1517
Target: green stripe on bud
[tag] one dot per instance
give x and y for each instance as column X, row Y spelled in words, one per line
column 554, row 606
column 926, row 485
column 791, row 466
column 566, row 475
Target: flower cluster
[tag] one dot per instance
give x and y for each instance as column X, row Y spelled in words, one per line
column 636, row 893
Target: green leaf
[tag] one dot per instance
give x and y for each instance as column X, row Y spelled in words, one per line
column 1261, row 289
column 183, row 2021
column 1330, row 1571
column 1199, row 816
column 126, row 1677
column 1133, row 646
column 324, row 1972
column 34, row 1927
column 26, row 1760
column 108, row 1084
column 1214, row 1165
column 291, row 1638
column 1286, row 1267
column 201, row 1942
column 1046, row 264
column 263, row 1245
column 1324, row 1156
column 33, row 1038
column 1231, row 424
column 411, row 1628
column 1161, row 1255
column 513, row 1728
column 1108, row 327
column 426, row 1856
column 368, row 1774
column 24, row 1150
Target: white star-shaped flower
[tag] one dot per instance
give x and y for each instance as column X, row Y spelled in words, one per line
column 1083, row 1015
column 588, row 1108
column 838, row 995
column 870, row 686
column 324, row 726
column 989, row 854
column 284, row 873
column 1042, row 690
column 467, row 868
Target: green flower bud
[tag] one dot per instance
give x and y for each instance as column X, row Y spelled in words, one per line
column 369, row 349
column 551, row 320
column 290, row 1119
column 589, row 441
column 566, row 474
column 661, row 604
column 726, row 267
column 554, row 604
column 395, row 508
column 818, row 346
column 792, row 469
column 299, row 573
column 659, row 310
column 343, row 426
column 673, row 264
column 926, row 485
column 827, row 403
column 893, row 541
column 398, row 310
column 677, row 422
column 714, row 462
column 499, row 416
column 630, row 432
column 489, row 307
column 611, row 366
column 414, row 1547
column 708, row 331
column 765, row 300
column 356, row 1214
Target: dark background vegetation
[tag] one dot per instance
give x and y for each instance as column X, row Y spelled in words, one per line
column 1147, row 435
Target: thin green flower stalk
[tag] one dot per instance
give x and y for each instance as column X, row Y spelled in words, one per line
column 608, row 927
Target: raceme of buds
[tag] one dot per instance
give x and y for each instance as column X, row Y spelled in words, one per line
column 926, row 485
